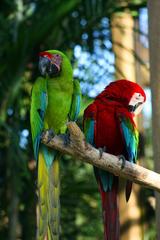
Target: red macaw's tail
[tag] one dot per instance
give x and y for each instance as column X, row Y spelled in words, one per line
column 110, row 211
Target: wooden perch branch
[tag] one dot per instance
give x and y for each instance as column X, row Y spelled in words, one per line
column 79, row 149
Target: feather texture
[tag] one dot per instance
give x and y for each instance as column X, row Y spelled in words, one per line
column 53, row 99
column 39, row 103
column 43, row 180
column 109, row 124
column 131, row 139
column 108, row 185
column 131, row 136
column 76, row 102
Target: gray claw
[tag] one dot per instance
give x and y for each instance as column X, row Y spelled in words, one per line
column 66, row 139
column 101, row 151
column 121, row 157
column 50, row 134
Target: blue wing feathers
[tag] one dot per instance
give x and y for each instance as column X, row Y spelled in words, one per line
column 78, row 99
column 49, row 155
column 105, row 177
column 36, row 147
column 89, row 131
column 130, row 135
column 40, row 123
column 43, row 106
column 77, row 109
column 39, row 102
column 43, row 102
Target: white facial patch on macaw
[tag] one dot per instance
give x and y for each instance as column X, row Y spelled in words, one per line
column 136, row 102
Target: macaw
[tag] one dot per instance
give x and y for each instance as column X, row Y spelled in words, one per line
column 55, row 100
column 109, row 125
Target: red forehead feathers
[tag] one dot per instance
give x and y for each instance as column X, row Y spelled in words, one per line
column 45, row 54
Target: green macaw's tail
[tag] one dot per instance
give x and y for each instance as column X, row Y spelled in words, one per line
column 49, row 203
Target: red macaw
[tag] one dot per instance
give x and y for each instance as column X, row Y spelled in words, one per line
column 109, row 126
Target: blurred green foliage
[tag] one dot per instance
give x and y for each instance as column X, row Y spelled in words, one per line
column 27, row 27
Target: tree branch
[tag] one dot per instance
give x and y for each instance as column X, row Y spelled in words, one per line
column 80, row 149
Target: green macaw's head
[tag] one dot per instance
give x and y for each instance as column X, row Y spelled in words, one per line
column 52, row 63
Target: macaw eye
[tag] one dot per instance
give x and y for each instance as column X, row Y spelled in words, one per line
column 137, row 96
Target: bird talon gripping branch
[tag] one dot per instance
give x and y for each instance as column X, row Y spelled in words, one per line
column 51, row 135
column 66, row 139
column 122, row 158
column 101, row 151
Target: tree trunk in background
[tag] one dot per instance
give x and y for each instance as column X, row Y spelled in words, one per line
column 141, row 57
column 13, row 216
column 13, row 200
column 123, row 47
column 12, row 197
column 154, row 51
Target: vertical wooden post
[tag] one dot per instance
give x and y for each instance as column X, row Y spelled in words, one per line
column 123, row 47
column 154, row 51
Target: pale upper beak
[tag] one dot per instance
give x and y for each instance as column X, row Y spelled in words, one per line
column 136, row 103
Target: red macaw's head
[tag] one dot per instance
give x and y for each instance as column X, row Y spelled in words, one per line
column 128, row 93
column 50, row 63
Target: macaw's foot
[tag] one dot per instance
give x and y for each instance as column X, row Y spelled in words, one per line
column 122, row 158
column 101, row 151
column 50, row 134
column 66, row 139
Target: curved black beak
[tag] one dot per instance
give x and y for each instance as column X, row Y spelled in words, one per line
column 132, row 108
column 52, row 70
column 48, row 67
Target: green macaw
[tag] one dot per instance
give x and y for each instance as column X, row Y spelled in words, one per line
column 55, row 100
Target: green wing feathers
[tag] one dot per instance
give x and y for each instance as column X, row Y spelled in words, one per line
column 76, row 101
column 39, row 103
